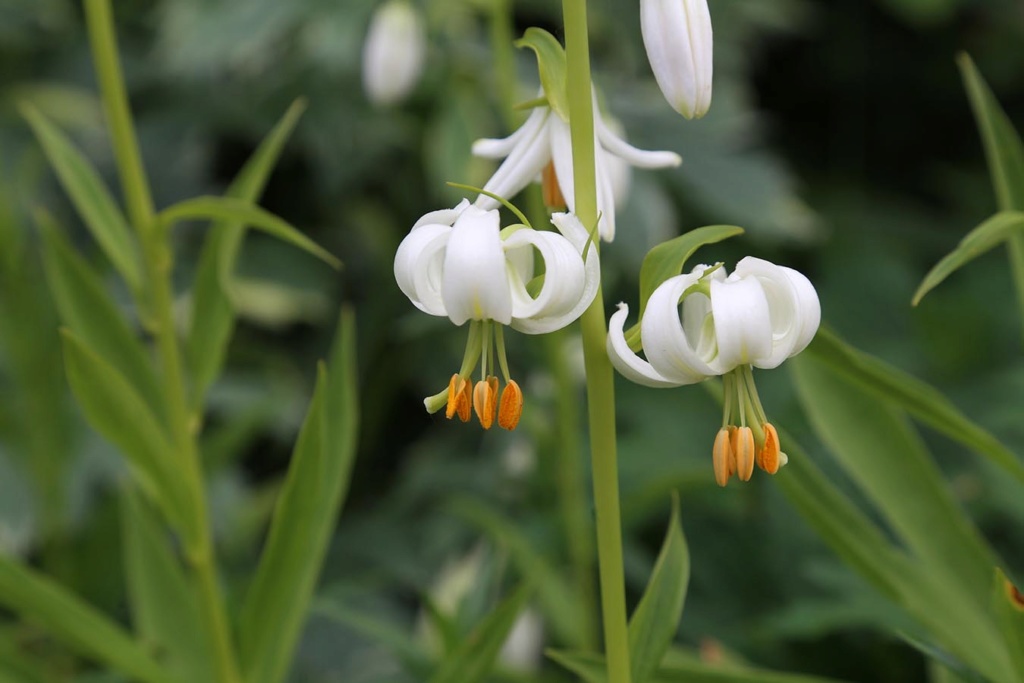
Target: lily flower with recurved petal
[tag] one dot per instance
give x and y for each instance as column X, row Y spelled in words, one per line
column 459, row 263
column 542, row 147
column 758, row 316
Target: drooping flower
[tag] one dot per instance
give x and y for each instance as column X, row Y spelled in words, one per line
column 394, row 52
column 678, row 38
column 758, row 316
column 459, row 263
column 542, row 148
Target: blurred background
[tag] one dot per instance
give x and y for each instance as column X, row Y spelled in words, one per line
column 839, row 137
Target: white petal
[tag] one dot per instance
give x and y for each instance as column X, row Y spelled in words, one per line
column 743, row 327
column 810, row 309
column 605, row 195
column 678, row 37
column 529, row 156
column 410, row 259
column 640, row 158
column 666, row 345
column 561, row 156
column 630, row 365
column 496, row 148
column 428, row 275
column 442, row 217
column 563, row 276
column 475, row 282
column 394, row 52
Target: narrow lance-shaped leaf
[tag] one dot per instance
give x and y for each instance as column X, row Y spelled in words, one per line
column 86, row 308
column 551, row 64
column 212, row 312
column 921, row 400
column 656, row 619
column 667, row 260
column 473, row 659
column 91, row 198
column 164, row 608
column 230, row 209
column 993, row 232
column 117, row 412
column 74, row 622
column 276, row 605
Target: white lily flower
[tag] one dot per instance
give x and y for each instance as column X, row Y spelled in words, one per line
column 678, row 38
column 394, row 52
column 758, row 316
column 459, row 263
column 542, row 146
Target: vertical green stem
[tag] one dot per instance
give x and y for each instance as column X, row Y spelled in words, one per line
column 600, row 380
column 158, row 260
column 504, row 59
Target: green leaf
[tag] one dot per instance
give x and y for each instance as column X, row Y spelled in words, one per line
column 86, row 308
column 399, row 641
column 1003, row 146
column 74, row 622
column 1009, row 608
column 164, row 608
column 656, row 619
column 238, row 210
column 590, row 667
column 276, row 605
column 213, row 315
column 559, row 599
column 881, row 452
column 474, row 658
column 996, row 230
column 116, row 411
column 921, row 400
column 91, row 198
column 551, row 64
column 667, row 260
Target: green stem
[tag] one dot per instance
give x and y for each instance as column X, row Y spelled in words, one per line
column 1016, row 247
column 600, row 379
column 504, row 59
column 158, row 261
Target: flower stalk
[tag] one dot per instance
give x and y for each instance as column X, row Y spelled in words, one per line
column 158, row 260
column 600, row 379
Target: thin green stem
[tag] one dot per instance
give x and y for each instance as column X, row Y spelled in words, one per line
column 158, row 261
column 504, row 59
column 1016, row 247
column 600, row 380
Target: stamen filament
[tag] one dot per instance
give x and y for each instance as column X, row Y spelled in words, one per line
column 499, row 342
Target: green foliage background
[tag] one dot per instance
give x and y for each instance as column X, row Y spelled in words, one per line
column 839, row 136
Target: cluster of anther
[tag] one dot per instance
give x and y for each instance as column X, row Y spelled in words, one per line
column 485, row 402
column 753, row 441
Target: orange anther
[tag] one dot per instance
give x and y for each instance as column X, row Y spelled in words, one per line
column 721, row 457
column 465, row 400
column 732, row 449
column 454, row 391
column 744, row 447
column 485, row 400
column 550, row 189
column 768, row 456
column 511, row 407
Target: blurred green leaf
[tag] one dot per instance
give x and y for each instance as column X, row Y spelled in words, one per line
column 116, row 411
column 1009, row 608
column 398, row 641
column 656, row 619
column 551, row 64
column 164, row 608
column 667, row 260
column 275, row 606
column 212, row 312
column 86, row 308
column 557, row 597
column 241, row 211
column 590, row 668
column 91, row 198
column 922, row 400
column 1003, row 146
column 996, row 230
column 474, row 658
column 66, row 617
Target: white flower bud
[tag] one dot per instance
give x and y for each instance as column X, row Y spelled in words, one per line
column 394, row 52
column 677, row 35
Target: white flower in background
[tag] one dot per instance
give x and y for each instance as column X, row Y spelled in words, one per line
column 542, row 147
column 677, row 35
column 459, row 263
column 759, row 316
column 394, row 52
